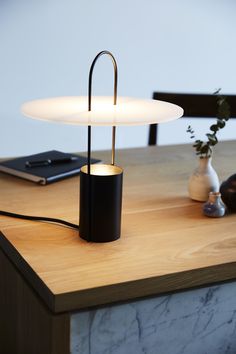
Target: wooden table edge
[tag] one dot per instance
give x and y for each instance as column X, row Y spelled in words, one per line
column 148, row 287
column 115, row 293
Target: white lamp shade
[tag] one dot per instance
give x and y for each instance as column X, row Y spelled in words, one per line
column 128, row 111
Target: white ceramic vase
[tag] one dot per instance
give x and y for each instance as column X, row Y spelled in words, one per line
column 203, row 181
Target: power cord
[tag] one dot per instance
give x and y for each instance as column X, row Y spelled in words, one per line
column 39, row 218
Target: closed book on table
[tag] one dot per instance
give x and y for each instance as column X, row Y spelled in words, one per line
column 45, row 167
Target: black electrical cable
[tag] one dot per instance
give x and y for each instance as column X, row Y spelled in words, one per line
column 39, row 218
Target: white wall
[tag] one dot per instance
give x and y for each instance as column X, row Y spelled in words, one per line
column 46, row 48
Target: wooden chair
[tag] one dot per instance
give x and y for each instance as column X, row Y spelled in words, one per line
column 194, row 105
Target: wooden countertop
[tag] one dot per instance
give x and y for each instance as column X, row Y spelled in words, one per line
column 166, row 243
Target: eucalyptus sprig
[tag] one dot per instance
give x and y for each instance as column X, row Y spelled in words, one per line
column 204, row 148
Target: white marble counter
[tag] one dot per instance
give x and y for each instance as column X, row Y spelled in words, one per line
column 200, row 321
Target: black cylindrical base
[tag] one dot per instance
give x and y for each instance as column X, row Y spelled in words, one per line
column 100, row 203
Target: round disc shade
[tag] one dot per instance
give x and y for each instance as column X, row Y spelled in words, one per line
column 128, row 111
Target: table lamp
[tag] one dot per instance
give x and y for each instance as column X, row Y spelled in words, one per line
column 101, row 184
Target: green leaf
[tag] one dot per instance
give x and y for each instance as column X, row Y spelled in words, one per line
column 204, row 149
column 211, row 136
column 198, row 148
column 223, row 108
column 220, row 123
column 217, row 91
column 213, row 142
column 214, row 128
column 223, row 115
column 198, row 143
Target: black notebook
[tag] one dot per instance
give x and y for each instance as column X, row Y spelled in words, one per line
column 46, row 167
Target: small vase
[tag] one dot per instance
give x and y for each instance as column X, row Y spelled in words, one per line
column 203, row 181
column 214, row 207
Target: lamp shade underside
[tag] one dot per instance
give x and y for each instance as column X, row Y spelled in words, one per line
column 127, row 111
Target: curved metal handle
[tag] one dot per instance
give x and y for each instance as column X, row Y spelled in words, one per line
column 104, row 52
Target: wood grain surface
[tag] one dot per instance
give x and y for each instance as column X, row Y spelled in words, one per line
column 166, row 243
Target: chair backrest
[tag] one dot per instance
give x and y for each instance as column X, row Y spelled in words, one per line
column 194, row 105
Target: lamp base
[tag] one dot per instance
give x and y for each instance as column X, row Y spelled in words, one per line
column 100, row 203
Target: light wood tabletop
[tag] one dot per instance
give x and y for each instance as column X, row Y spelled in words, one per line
column 166, row 243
